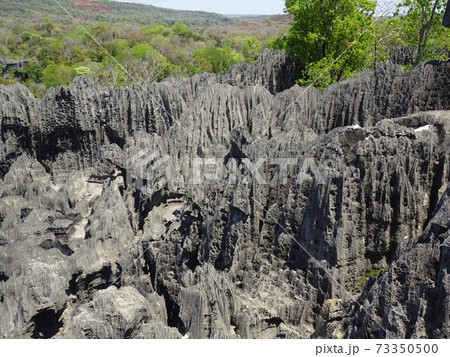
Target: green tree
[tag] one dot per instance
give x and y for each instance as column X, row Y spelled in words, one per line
column 162, row 44
column 388, row 36
column 181, row 29
column 110, row 75
column 117, row 47
column 33, row 38
column 51, row 52
column 142, row 50
column 47, row 25
column 217, row 60
column 31, row 73
column 82, row 71
column 57, row 74
column 3, row 51
column 146, row 64
column 329, row 38
column 156, row 30
column 184, row 32
column 250, row 47
column 422, row 28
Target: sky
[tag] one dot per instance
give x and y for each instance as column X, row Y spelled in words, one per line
column 227, row 7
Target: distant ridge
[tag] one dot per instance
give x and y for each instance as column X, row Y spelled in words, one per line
column 107, row 11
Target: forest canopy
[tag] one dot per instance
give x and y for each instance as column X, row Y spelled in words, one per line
column 330, row 40
column 118, row 55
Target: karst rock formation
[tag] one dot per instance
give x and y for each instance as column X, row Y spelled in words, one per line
column 162, row 211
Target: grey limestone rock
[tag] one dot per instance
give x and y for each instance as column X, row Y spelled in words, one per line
column 410, row 299
column 110, row 227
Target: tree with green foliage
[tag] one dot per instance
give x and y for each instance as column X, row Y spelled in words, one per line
column 47, row 25
column 216, row 60
column 163, row 45
column 146, row 64
column 57, row 74
column 142, row 50
column 117, row 47
column 181, row 30
column 423, row 30
column 151, row 31
column 34, row 38
column 82, row 71
column 52, row 52
column 31, row 73
column 250, row 47
column 329, row 38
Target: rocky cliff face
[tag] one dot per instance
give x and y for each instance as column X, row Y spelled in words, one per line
column 237, row 206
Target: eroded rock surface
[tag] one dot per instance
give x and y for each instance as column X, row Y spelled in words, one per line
column 113, row 226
